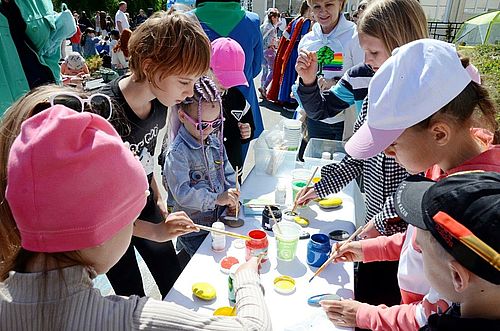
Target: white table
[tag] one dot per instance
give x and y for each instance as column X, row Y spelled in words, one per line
column 288, row 312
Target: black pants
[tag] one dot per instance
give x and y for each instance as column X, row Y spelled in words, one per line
column 160, row 258
column 377, row 283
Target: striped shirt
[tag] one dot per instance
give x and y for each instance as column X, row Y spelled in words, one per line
column 381, row 175
column 34, row 301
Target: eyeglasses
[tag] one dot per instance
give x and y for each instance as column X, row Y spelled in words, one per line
column 98, row 103
column 215, row 124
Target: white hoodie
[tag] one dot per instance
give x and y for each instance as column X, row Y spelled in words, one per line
column 342, row 39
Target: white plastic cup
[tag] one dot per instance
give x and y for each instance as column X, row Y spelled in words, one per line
column 287, row 239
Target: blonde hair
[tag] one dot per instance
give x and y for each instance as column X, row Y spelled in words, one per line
column 27, row 106
column 394, row 22
column 168, row 44
column 311, row 2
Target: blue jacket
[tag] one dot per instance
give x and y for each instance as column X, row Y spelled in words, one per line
column 247, row 34
column 188, row 177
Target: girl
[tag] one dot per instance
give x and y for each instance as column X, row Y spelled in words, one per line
column 88, row 43
column 440, row 105
column 119, row 53
column 168, row 53
column 381, row 174
column 196, row 170
column 74, row 65
column 238, row 120
column 269, row 44
column 336, row 37
column 50, row 280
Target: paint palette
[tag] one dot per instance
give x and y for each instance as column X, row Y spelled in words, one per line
column 284, row 284
column 204, row 291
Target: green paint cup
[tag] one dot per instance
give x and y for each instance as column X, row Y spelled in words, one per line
column 297, row 185
column 287, row 238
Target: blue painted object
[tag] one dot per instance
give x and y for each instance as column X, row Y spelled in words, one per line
column 318, row 249
column 314, row 300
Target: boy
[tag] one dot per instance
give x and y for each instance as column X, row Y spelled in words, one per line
column 458, row 221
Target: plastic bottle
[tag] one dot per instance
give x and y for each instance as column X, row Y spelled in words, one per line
column 218, row 240
column 280, row 193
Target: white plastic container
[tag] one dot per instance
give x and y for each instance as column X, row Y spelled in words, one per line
column 218, row 240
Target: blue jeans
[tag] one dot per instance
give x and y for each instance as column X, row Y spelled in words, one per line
column 321, row 130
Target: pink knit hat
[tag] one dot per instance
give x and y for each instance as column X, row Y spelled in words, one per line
column 72, row 183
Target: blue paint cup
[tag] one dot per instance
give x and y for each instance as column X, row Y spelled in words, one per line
column 318, row 249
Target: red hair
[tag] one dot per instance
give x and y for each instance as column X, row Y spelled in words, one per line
column 123, row 42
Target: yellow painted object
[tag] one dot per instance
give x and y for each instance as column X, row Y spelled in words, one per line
column 316, row 180
column 302, row 221
column 284, row 284
column 204, row 291
column 225, row 311
column 330, row 203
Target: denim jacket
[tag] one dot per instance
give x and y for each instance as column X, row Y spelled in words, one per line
column 187, row 177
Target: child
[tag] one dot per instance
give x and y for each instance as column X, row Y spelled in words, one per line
column 119, row 53
column 269, row 44
column 436, row 104
column 337, row 38
column 50, row 278
column 114, row 38
column 168, row 53
column 196, row 170
column 463, row 265
column 89, row 42
column 74, row 65
column 227, row 63
column 381, row 174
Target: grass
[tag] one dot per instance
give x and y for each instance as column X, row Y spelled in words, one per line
column 487, row 60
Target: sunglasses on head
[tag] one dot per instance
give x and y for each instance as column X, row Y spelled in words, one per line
column 203, row 125
column 100, row 104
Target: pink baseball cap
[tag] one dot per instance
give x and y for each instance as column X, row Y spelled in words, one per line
column 71, row 182
column 418, row 80
column 228, row 62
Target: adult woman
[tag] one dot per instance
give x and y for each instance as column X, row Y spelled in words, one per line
column 336, row 41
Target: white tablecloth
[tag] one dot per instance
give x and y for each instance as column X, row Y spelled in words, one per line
column 288, row 312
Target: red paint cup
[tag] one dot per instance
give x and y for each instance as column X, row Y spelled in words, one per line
column 257, row 245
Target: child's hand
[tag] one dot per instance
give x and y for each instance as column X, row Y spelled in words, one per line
column 369, row 231
column 307, row 66
column 351, row 252
column 325, row 83
column 305, row 195
column 341, row 312
column 245, row 130
column 229, row 198
column 252, row 264
column 176, row 224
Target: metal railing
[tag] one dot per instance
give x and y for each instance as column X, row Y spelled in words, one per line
column 445, row 31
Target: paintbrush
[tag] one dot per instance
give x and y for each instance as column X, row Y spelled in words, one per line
column 307, row 185
column 237, row 189
column 227, row 233
column 274, row 219
column 332, row 256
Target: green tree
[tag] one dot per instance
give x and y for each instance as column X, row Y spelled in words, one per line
column 110, row 6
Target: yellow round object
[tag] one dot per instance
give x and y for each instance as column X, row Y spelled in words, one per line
column 316, row 180
column 330, row 203
column 284, row 284
column 204, row 291
column 302, row 221
column 225, row 311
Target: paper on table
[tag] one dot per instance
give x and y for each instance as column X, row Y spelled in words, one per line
column 314, row 321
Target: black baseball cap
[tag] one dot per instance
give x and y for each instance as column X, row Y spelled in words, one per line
column 462, row 212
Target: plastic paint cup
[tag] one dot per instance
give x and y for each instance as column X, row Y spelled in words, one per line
column 287, row 237
column 257, row 246
column 297, row 185
column 318, row 249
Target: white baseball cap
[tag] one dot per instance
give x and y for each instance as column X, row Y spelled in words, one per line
column 418, row 80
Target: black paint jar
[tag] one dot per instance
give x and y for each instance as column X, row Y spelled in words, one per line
column 267, row 219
